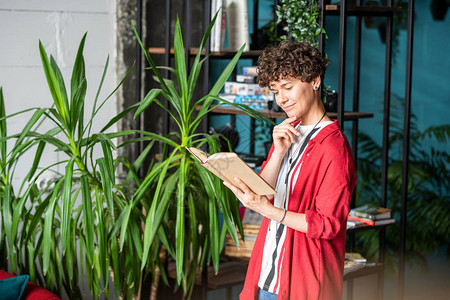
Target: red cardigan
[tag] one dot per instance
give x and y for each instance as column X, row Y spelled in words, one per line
column 313, row 262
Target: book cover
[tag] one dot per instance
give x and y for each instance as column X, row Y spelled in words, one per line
column 371, row 212
column 372, row 222
column 354, row 256
column 228, row 165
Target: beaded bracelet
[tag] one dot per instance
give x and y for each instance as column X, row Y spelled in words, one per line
column 284, row 215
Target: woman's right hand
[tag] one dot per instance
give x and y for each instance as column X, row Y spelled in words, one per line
column 284, row 136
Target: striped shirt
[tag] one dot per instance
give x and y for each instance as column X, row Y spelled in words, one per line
column 273, row 253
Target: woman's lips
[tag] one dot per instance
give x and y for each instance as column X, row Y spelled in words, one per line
column 288, row 107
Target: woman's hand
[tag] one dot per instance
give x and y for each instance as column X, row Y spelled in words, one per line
column 284, row 135
column 248, row 198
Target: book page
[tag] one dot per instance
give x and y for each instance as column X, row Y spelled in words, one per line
column 228, row 165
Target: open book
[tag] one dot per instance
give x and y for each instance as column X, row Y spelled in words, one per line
column 227, row 165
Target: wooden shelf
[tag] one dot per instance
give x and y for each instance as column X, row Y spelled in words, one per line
column 220, row 54
column 334, row 9
column 281, row 115
column 364, row 271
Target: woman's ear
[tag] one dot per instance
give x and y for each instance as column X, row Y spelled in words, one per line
column 316, row 83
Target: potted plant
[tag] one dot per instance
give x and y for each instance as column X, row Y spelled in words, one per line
column 69, row 227
column 300, row 19
column 183, row 212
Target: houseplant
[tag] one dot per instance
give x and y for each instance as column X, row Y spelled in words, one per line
column 69, row 228
column 300, row 21
column 183, row 214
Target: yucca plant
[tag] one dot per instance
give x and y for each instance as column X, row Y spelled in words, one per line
column 70, row 229
column 16, row 246
column 183, row 214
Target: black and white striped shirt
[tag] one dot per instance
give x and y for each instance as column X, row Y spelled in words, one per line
column 273, row 253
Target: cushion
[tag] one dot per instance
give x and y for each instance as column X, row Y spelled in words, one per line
column 12, row 288
column 32, row 290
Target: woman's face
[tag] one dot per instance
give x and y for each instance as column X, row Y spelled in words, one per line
column 295, row 97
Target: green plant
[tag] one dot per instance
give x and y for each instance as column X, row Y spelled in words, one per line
column 428, row 226
column 183, row 213
column 300, row 21
column 70, row 229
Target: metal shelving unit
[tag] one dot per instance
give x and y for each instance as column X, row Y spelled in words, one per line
column 343, row 11
column 358, row 11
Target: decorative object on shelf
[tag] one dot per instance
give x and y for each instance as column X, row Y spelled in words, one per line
column 183, row 210
column 439, row 9
column 237, row 21
column 330, row 100
column 217, row 39
column 301, row 21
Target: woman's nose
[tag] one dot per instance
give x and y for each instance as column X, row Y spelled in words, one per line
column 282, row 96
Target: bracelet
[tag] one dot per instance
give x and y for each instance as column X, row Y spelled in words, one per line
column 284, row 215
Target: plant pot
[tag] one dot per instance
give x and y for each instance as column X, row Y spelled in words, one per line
column 330, row 101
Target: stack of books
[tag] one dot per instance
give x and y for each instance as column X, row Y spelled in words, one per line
column 246, row 91
column 354, row 261
column 369, row 215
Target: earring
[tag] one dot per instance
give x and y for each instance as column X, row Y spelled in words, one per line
column 316, row 88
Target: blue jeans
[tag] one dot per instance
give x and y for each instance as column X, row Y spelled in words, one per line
column 265, row 295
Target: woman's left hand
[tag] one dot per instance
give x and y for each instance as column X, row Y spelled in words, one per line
column 248, row 198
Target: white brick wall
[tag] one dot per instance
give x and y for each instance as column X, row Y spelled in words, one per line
column 60, row 25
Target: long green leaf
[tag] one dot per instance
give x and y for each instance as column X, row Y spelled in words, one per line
column 150, row 60
column 37, row 159
column 94, row 106
column 107, row 184
column 61, row 85
column 7, row 215
column 197, row 64
column 78, row 73
column 115, row 256
column 148, row 99
column 88, row 219
column 180, row 67
column 66, row 212
column 118, row 117
column 180, row 230
column 49, row 228
column 156, row 214
column 3, row 132
column 61, row 105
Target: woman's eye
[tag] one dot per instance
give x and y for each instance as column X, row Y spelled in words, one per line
column 288, row 88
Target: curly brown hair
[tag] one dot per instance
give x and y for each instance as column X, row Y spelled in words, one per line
column 290, row 59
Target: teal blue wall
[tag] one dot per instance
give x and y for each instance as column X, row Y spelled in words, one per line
column 430, row 98
column 431, row 71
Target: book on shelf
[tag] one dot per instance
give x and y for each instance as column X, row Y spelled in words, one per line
column 258, row 102
column 242, row 78
column 371, row 222
column 217, row 38
column 351, row 224
column 355, row 256
column 246, row 89
column 228, row 165
column 371, row 212
column 355, row 261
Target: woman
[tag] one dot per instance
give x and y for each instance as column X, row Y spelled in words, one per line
column 300, row 249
